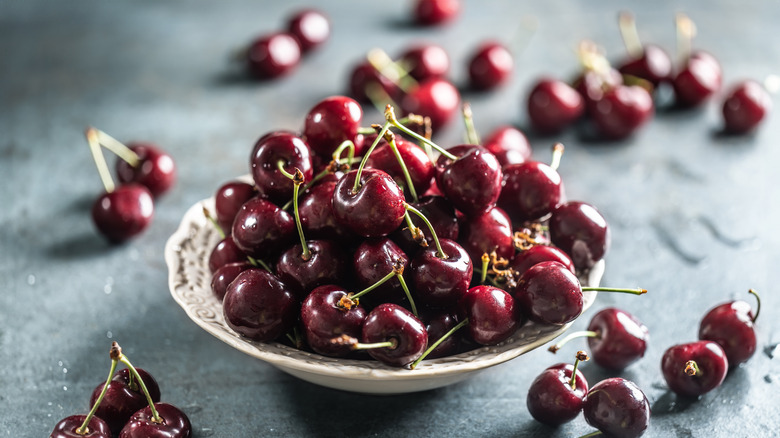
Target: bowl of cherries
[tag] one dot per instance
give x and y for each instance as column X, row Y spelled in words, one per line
column 371, row 259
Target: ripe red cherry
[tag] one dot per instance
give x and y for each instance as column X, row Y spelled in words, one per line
column 509, row 145
column 695, row 368
column 273, row 55
column 330, row 122
column 436, row 98
column 592, row 85
column 746, row 106
column 617, row 407
column 124, row 212
column 391, row 322
column 364, row 76
column 317, row 218
column 488, row 232
column 700, row 78
column 66, row 428
column 433, row 12
column 472, row 182
column 326, row 265
column 531, row 190
column 493, row 316
column 548, row 293
column 175, row 423
column 228, row 200
column 554, row 105
column 325, row 316
column 155, row 170
column 261, row 229
column 425, row 61
column 271, row 151
column 438, row 325
column 552, row 399
column 122, row 399
column 731, row 325
column 225, row 275
column 226, row 251
column 581, row 231
column 372, row 260
column 376, row 209
column 622, row 110
column 526, row 258
column 416, row 160
column 490, row 66
column 652, row 65
column 441, row 282
column 310, row 27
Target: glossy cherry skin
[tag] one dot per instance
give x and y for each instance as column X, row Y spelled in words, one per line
column 531, row 191
column 122, row 400
column 490, row 66
column 225, row 275
column 492, row 313
column 226, row 251
column 622, row 110
column 330, row 122
column 524, row 259
column 372, row 261
column 653, row 65
column 700, row 78
column 548, row 293
column 375, row 210
column 439, row 213
column 730, row 325
column 745, row 107
column 581, row 231
column 622, row 338
column 66, row 428
column 425, row 61
column 123, row 213
column 175, row 423
column 310, row 27
column 156, row 169
column 437, row 325
column 509, row 145
column 551, row 399
column 273, row 55
column 418, row 164
column 709, row 357
column 472, row 182
column 617, row 407
column 324, row 318
column 488, row 232
column 259, row 306
column 262, row 229
column 269, row 150
column 326, row 265
column 553, row 105
column 440, row 283
column 436, row 98
column 391, row 321
column 316, row 212
column 364, row 76
column 592, row 85
column 228, row 200
column 433, row 12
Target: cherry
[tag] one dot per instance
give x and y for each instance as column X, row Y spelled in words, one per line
column 695, row 368
column 554, row 105
column 425, row 61
column 436, row 98
column 557, row 394
column 472, row 180
column 153, row 168
column 731, row 325
column 259, row 306
column 142, row 424
column 123, row 397
column 532, row 190
column 68, row 426
column 375, row 208
column 372, row 260
column 700, row 78
column 439, row 213
column 123, row 212
column 434, row 12
column 437, row 326
column 746, row 106
column 316, row 212
column 261, row 229
column 326, row 264
column 226, row 251
column 310, row 27
column 331, row 122
column 490, row 66
column 622, row 110
column 228, row 200
column 581, row 231
column 596, row 79
column 367, row 84
column 272, row 155
column 648, row 62
column 486, row 233
column 225, row 275
column 509, row 145
column 327, row 313
column 273, row 55
column 415, row 159
column 528, row 257
column 402, row 334
column 617, row 407
column 492, row 314
column 439, row 282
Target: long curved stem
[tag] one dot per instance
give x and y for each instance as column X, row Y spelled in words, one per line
column 573, row 335
column 155, row 416
column 408, row 294
column 382, row 281
column 100, row 159
column 84, row 428
column 615, row 289
column 758, row 306
column 298, row 181
column 433, row 346
column 379, row 137
column 439, row 252
column 404, row 169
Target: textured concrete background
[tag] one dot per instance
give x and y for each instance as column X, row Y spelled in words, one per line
column 160, row 71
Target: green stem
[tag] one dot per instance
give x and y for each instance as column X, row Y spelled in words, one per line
column 385, row 344
column 99, row 159
column 556, row 156
column 581, row 356
column 408, row 294
column 404, row 169
column 213, row 222
column 439, row 341
column 283, row 171
column 592, row 434
column 573, row 335
column 390, row 117
column 468, row 118
column 758, row 306
column 155, row 416
column 346, row 144
column 379, row 137
column 258, row 262
column 119, row 148
column 390, row 275
column 439, row 252
column 615, row 289
column 485, row 259
column 84, row 429
column 306, row 255
column 629, row 35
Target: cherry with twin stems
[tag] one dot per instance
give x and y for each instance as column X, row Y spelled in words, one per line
column 695, row 368
column 557, row 394
column 745, row 107
column 617, row 408
column 532, row 190
column 273, row 55
column 581, row 231
column 553, row 105
column 700, row 75
column 124, row 397
column 649, row 61
column 732, row 326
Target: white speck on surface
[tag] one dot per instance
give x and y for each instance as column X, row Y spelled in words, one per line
column 49, row 403
column 65, row 371
column 59, row 363
column 31, row 279
column 107, row 289
column 109, row 335
column 64, row 388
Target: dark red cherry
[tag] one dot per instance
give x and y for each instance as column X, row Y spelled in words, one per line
column 364, row 76
column 652, row 65
column 439, row 213
column 225, row 275
column 433, row 12
column 746, row 106
column 472, row 182
column 317, row 218
column 509, row 145
column 436, row 98
column 581, row 231
column 592, row 85
column 261, row 229
column 376, row 209
column 326, row 265
column 372, row 260
column 327, row 313
column 695, row 368
column 425, row 61
column 699, row 79
column 731, row 325
column 536, row 254
column 225, row 252
column 271, row 151
column 554, row 105
column 229, row 199
column 531, row 190
column 391, row 322
column 273, row 55
column 617, row 407
column 156, row 169
column 310, row 27
column 259, row 306
column 123, row 398
column 488, row 232
column 622, row 110
column 330, row 122
column 548, row 293
column 417, row 163
column 492, row 313
column 175, row 423
column 123, row 213
column 621, row 339
column 438, row 325
column 437, row 282
column 66, row 428
column 552, row 400
column 490, row 66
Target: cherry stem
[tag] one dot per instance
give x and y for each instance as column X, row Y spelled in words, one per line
column 84, row 428
column 485, row 262
column 692, row 368
column 119, row 148
column 758, row 306
column 213, row 221
column 390, row 117
column 100, row 159
column 686, row 30
column 592, row 434
column 346, row 144
column 557, row 153
column 363, row 162
column 415, row 231
column 122, row 358
column 390, row 69
column 573, row 335
column 392, row 343
column 258, row 262
column 381, row 281
column 615, row 289
column 581, row 356
column 401, row 163
column 298, row 181
column 468, row 119
column 408, row 294
column 378, row 97
column 439, row 252
column 433, row 346
column 629, row 34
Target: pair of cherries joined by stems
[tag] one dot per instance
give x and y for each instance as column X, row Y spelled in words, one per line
column 128, row 405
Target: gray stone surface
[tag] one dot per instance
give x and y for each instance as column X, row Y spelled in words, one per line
column 160, row 71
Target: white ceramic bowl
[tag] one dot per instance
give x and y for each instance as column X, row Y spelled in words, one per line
column 187, row 252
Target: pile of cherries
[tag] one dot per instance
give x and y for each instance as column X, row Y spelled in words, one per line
column 126, row 405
